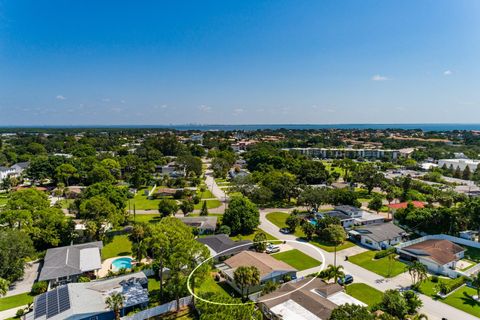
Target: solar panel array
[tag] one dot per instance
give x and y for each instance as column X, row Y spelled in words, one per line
column 52, row 303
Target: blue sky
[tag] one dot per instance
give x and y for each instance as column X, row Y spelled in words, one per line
column 232, row 62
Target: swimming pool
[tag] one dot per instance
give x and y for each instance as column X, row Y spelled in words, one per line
column 122, row 263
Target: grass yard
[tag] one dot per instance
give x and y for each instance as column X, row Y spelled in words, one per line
column 119, row 246
column 364, row 293
column 329, row 247
column 297, row 259
column 187, row 314
column 146, row 218
column 211, row 204
column 383, row 266
column 141, row 201
column 460, row 299
column 3, row 199
column 210, row 285
column 279, row 218
column 251, row 236
column 207, row 194
column 15, row 301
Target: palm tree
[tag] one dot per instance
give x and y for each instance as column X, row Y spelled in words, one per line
column 476, row 284
column 115, row 303
column 417, row 271
column 334, row 272
column 254, row 278
column 3, row 286
column 241, row 276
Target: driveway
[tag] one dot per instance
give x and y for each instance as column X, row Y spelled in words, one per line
column 25, row 285
column 435, row 310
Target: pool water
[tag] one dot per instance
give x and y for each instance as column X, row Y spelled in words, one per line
column 122, row 263
column 313, row 221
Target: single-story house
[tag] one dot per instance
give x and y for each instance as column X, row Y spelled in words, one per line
column 207, row 224
column 270, row 268
column 6, row 172
column 19, row 167
column 345, row 220
column 313, row 301
column 222, row 243
column 378, row 236
column 361, row 217
column 172, row 170
column 438, row 255
column 86, row 300
column 65, row 264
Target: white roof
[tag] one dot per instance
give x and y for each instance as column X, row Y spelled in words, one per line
column 90, row 259
column 290, row 310
column 340, row 298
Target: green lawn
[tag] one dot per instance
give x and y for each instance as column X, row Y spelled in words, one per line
column 297, row 259
column 119, row 246
column 3, row 199
column 207, row 194
column 141, row 201
column 329, row 247
column 210, row 285
column 211, row 204
column 15, row 301
column 460, row 299
column 383, row 266
column 251, row 236
column 365, row 293
column 279, row 218
column 428, row 287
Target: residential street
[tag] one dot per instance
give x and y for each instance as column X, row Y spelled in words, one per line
column 435, row 310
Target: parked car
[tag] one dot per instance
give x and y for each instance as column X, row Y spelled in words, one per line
column 285, row 230
column 272, row 248
column 345, row 280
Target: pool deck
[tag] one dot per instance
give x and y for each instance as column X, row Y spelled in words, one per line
column 107, row 265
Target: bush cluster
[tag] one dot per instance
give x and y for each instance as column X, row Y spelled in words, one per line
column 384, row 253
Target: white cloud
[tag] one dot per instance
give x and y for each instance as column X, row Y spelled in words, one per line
column 447, row 72
column 106, row 100
column 163, row 106
column 238, row 111
column 379, row 77
column 205, row 108
column 122, row 101
column 60, row 97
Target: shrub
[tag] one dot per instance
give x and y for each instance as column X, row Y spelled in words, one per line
column 39, row 287
column 434, row 279
column 83, row 279
column 384, row 253
column 19, row 313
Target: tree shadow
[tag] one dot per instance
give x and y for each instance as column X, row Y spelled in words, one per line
column 468, row 300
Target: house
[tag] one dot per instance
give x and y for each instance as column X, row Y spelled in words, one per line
column 360, row 216
column 221, row 243
column 345, row 220
column 204, row 225
column 459, row 163
column 404, row 205
column 66, row 264
column 378, row 236
column 438, row 255
column 270, row 268
column 305, row 300
column 6, row 172
column 86, row 300
column 172, row 170
column 19, row 167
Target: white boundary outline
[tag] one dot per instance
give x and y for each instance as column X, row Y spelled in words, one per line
column 322, row 265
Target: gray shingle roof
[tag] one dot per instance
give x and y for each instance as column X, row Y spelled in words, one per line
column 380, row 232
column 221, row 242
column 71, row 260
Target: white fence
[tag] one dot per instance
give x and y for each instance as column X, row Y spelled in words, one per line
column 453, row 239
column 451, row 273
column 159, row 310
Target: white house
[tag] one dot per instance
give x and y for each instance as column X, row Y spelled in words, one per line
column 438, row 255
column 459, row 163
column 378, row 236
column 361, row 217
column 6, row 172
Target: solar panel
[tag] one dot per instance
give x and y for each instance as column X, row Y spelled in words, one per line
column 40, row 306
column 52, row 303
column 63, row 299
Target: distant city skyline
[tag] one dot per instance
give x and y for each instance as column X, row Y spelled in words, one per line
column 243, row 62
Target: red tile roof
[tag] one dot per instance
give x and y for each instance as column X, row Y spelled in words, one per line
column 403, row 205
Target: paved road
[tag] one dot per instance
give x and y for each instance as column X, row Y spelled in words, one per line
column 435, row 310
